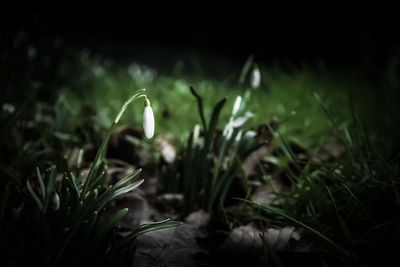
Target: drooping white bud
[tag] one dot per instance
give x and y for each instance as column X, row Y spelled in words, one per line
column 10, row 108
column 228, row 132
column 168, row 152
column 236, row 106
column 239, row 122
column 250, row 134
column 196, row 136
column 239, row 136
column 55, row 202
column 255, row 78
column 148, row 120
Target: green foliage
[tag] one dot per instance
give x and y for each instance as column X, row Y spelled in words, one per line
column 284, row 89
column 211, row 159
column 72, row 225
column 344, row 203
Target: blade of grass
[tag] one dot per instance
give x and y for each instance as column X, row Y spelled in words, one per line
column 126, row 189
column 111, row 222
column 246, row 69
column 213, row 123
column 200, row 106
column 356, row 200
column 103, row 147
column 50, row 187
column 276, row 211
column 149, row 227
column 41, row 183
column 35, row 197
column 125, row 180
column 341, row 221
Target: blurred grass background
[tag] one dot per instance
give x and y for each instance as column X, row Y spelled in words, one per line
column 287, row 94
column 96, row 62
column 77, row 79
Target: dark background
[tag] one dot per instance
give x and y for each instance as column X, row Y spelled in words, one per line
column 339, row 40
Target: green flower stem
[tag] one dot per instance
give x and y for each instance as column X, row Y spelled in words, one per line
column 102, row 150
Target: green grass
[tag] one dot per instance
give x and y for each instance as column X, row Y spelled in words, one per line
column 69, row 223
column 350, row 204
column 286, row 94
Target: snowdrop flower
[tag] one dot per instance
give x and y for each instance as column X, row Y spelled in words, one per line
column 55, row 202
column 239, row 136
column 148, row 120
column 255, row 78
column 197, row 141
column 7, row 107
column 31, row 52
column 250, row 134
column 236, row 106
column 242, row 120
column 168, row 152
column 228, row 132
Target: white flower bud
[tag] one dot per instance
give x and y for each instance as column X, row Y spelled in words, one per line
column 229, row 131
column 236, row 106
column 255, row 78
column 168, row 152
column 239, row 122
column 148, row 120
column 239, row 136
column 196, row 136
column 250, row 134
column 7, row 107
column 55, row 202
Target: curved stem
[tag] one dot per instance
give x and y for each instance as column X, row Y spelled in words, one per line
column 101, row 152
column 126, row 104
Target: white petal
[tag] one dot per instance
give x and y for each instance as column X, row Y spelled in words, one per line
column 228, row 133
column 55, row 202
column 250, row 134
column 242, row 120
column 236, row 106
column 168, row 152
column 196, row 136
column 148, row 122
column 255, row 78
column 239, row 136
column 10, row 108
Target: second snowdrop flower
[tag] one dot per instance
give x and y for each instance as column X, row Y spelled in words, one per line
column 255, row 78
column 236, row 106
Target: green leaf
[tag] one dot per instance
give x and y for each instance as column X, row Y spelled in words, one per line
column 200, row 106
column 149, row 227
column 125, row 180
column 74, row 184
column 79, row 159
column 97, row 165
column 90, row 223
column 35, row 197
column 246, row 69
column 213, row 123
column 188, row 166
column 215, row 114
column 126, row 189
column 69, row 181
column 41, row 183
column 104, row 198
column 110, row 223
column 50, row 186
